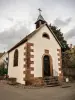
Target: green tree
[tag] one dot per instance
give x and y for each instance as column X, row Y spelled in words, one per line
column 3, row 70
column 60, row 37
column 68, row 58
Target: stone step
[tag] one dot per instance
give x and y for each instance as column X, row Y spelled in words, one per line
column 50, row 78
column 51, row 81
column 52, row 85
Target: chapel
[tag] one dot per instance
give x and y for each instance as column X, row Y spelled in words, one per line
column 36, row 56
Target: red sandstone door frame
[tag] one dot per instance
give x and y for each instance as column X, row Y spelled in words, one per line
column 51, row 64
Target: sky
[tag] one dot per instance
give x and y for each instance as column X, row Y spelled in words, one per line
column 17, row 18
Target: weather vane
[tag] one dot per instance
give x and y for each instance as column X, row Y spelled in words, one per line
column 40, row 11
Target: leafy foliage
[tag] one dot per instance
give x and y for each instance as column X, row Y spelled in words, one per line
column 60, row 37
column 68, row 58
column 3, row 70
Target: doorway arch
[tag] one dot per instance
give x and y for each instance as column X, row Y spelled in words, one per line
column 47, row 69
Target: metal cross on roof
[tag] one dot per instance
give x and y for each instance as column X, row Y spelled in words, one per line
column 40, row 11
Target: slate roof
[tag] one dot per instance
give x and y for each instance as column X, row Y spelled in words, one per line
column 40, row 18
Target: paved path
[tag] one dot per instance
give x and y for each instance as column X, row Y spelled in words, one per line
column 52, row 93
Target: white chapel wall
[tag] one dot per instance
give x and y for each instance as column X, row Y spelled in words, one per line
column 17, row 71
column 40, row 44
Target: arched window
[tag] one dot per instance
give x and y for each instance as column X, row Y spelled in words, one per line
column 16, row 58
column 45, row 35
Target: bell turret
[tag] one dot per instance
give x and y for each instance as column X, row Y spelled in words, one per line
column 40, row 20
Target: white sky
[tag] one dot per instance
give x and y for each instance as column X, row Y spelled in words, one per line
column 17, row 18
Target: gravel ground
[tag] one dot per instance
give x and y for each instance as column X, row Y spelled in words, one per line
column 8, row 92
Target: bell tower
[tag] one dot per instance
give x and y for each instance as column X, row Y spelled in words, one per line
column 40, row 20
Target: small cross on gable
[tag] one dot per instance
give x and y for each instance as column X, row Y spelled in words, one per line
column 40, row 11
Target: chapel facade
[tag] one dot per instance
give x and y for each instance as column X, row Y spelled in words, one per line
column 38, row 55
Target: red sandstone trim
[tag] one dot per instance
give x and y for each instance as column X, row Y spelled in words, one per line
column 59, row 59
column 59, row 69
column 32, row 68
column 59, row 50
column 28, row 61
column 25, row 53
column 25, row 59
column 31, row 50
column 58, row 54
column 31, row 62
column 60, row 63
column 31, row 56
column 24, row 72
column 30, row 44
column 46, row 51
column 25, row 48
column 25, row 65
column 61, row 74
column 32, row 75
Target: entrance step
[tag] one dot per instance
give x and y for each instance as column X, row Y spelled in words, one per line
column 51, row 81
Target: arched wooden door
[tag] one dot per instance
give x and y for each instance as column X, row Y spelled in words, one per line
column 46, row 66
